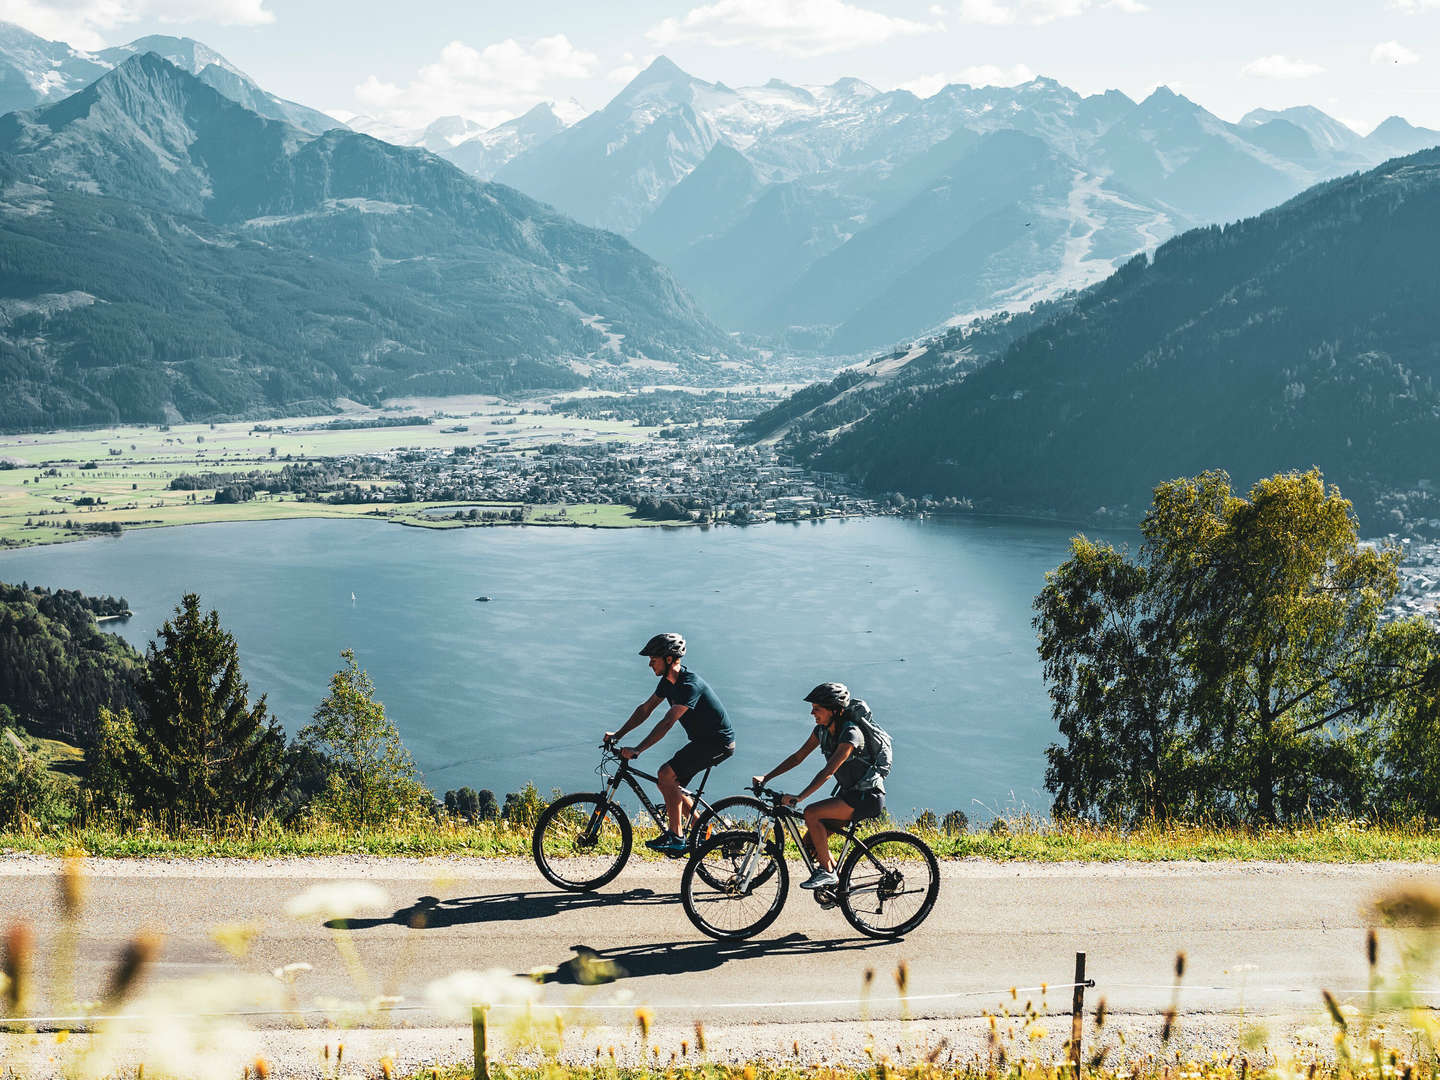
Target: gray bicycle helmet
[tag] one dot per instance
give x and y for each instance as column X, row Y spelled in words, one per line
column 830, row 695
column 664, row 645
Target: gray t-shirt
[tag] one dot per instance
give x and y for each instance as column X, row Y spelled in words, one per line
column 856, row 766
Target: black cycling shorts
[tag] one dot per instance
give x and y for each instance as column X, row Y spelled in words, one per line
column 694, row 756
column 866, row 804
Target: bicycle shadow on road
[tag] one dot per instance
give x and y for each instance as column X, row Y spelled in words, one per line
column 432, row 913
column 590, row 966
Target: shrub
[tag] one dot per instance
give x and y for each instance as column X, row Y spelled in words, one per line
column 29, row 795
column 523, row 807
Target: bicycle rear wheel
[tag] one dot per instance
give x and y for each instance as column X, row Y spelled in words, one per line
column 581, row 842
column 731, row 814
column 734, row 908
column 888, row 884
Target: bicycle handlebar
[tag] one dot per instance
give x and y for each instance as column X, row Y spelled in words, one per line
column 774, row 796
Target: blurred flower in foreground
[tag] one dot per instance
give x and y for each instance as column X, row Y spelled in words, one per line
column 456, row 994
column 337, row 900
column 182, row 1029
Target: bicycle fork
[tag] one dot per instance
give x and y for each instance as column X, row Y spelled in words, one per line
column 592, row 827
column 749, row 865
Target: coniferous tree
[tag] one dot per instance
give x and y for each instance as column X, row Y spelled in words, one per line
column 198, row 748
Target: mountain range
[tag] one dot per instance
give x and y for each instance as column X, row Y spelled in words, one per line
column 846, row 218
column 838, row 219
column 1304, row 336
column 167, row 251
column 35, row 71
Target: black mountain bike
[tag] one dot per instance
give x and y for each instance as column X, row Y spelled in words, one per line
column 594, row 827
column 736, row 882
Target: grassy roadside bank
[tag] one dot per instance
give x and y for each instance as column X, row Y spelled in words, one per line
column 1022, row 841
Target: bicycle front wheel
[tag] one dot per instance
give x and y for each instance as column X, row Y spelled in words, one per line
column 751, row 883
column 581, row 842
column 888, row 884
column 730, row 814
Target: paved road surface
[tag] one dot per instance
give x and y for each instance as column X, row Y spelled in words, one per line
column 1264, row 938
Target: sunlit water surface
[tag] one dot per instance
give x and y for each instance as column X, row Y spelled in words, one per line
column 928, row 620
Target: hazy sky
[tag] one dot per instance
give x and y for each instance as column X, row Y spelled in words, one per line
column 1359, row 60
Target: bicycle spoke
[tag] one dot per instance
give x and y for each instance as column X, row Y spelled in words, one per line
column 889, row 886
column 581, row 842
column 733, row 887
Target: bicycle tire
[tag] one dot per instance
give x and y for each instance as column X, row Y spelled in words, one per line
column 734, row 812
column 554, row 841
column 703, row 908
column 888, row 884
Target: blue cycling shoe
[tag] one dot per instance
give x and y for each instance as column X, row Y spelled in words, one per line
column 668, row 844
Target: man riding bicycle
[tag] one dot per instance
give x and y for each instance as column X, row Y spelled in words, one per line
column 841, row 725
column 703, row 717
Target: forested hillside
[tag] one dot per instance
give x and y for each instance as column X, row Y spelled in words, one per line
column 1305, row 336
column 168, row 253
column 57, row 668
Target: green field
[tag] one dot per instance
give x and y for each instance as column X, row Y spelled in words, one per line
column 134, row 467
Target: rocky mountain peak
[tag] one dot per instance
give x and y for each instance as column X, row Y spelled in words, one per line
column 662, row 74
column 185, row 53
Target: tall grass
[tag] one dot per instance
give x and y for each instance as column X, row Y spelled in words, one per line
column 1020, row 840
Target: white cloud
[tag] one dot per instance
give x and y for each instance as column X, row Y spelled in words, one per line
column 925, row 86
column 793, row 27
column 83, row 22
column 488, row 85
column 985, row 12
column 1413, row 7
column 1280, row 67
column 1392, row 52
column 624, row 73
column 1039, row 12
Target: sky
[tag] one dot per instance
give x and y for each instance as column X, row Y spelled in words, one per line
column 408, row 63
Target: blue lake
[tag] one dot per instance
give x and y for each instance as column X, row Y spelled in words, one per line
column 928, row 620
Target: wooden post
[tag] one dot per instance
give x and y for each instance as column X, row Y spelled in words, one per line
column 1077, row 1013
column 482, row 1058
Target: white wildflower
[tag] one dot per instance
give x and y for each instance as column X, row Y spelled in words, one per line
column 456, row 994
column 337, row 900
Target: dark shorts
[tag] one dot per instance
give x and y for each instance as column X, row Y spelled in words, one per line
column 866, row 804
column 695, row 756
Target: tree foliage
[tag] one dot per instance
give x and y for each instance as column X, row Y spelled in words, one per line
column 1239, row 666
column 57, row 669
column 197, row 749
column 373, row 778
column 29, row 794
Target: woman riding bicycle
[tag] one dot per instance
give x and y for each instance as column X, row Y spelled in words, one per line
column 703, row 717
column 849, row 758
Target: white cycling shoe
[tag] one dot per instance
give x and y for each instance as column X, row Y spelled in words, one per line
column 819, row 879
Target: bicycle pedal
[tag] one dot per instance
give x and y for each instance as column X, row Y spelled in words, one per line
column 825, row 898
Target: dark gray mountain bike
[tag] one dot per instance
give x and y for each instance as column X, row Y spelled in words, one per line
column 583, row 840
column 736, row 882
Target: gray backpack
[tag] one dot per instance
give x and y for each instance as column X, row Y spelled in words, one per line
column 879, row 750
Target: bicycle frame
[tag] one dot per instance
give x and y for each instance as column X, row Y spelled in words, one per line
column 790, row 819
column 627, row 774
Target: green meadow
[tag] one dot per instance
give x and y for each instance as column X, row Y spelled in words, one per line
column 126, row 471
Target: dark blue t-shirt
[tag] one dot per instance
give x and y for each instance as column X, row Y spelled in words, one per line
column 705, row 721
